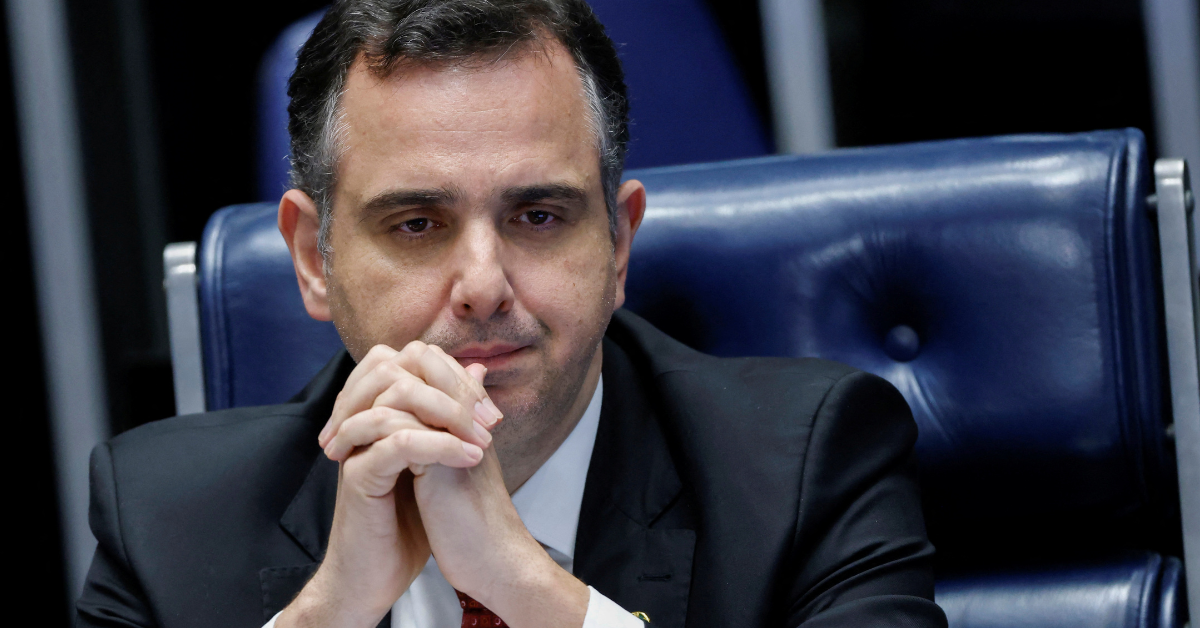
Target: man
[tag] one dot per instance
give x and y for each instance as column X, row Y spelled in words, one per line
column 458, row 214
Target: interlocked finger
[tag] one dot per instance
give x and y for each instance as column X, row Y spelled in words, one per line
column 374, row 469
column 479, row 401
column 377, row 354
column 430, row 363
column 361, row 396
column 433, row 408
column 369, row 426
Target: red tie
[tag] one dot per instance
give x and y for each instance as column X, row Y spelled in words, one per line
column 476, row 615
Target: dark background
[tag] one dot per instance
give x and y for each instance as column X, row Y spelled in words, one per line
column 167, row 96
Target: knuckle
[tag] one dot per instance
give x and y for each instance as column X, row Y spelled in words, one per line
column 348, row 425
column 461, row 412
column 463, row 390
column 379, row 415
column 388, row 368
column 402, row 440
column 405, row 387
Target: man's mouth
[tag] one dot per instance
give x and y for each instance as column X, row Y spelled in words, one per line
column 493, row 356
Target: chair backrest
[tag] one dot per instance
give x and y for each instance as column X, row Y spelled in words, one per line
column 274, row 144
column 259, row 344
column 1006, row 286
column 688, row 100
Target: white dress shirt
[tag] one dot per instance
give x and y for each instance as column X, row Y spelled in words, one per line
column 548, row 504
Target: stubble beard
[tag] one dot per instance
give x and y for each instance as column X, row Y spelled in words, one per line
column 536, row 404
column 534, row 421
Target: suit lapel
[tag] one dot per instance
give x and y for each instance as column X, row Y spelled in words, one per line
column 636, row 535
column 309, row 518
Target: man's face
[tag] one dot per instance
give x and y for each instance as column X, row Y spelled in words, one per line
column 469, row 214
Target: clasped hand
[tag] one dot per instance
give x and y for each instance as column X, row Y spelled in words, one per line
column 417, row 475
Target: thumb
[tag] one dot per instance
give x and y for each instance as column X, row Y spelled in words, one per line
column 478, row 371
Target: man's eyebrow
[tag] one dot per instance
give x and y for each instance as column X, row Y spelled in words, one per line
column 392, row 199
column 544, row 192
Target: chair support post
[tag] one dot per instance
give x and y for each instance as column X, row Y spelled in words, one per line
column 1181, row 307
column 183, row 315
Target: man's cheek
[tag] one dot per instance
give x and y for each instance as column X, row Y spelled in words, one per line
column 398, row 305
column 565, row 292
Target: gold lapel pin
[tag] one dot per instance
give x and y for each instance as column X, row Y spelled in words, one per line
column 642, row 616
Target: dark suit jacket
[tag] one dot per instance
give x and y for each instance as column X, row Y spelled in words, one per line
column 721, row 492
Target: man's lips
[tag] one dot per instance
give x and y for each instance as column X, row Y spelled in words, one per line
column 490, row 351
column 494, row 357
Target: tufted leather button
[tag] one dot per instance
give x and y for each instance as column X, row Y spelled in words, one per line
column 902, row 343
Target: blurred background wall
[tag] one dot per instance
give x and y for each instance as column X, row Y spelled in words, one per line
column 125, row 123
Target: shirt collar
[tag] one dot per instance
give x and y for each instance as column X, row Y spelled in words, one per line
column 549, row 501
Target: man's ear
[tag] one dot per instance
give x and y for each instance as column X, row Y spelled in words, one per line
column 299, row 223
column 631, row 206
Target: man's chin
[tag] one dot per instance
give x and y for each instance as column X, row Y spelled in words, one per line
column 514, row 395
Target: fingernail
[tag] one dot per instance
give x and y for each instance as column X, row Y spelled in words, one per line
column 473, row 452
column 323, row 435
column 491, row 406
column 483, row 433
column 483, row 415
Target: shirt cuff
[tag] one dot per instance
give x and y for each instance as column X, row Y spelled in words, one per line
column 271, row 624
column 605, row 613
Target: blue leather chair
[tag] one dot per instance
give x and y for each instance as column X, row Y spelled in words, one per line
column 1012, row 288
column 688, row 101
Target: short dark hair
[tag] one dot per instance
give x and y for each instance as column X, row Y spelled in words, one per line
column 388, row 32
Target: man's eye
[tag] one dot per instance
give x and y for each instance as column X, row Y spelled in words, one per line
column 537, row 217
column 416, row 225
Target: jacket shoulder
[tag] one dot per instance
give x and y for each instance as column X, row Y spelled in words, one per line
column 232, row 419
column 215, row 437
column 174, row 474
column 728, row 413
column 749, row 378
column 247, row 431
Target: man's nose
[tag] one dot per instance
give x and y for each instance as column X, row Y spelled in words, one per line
column 481, row 286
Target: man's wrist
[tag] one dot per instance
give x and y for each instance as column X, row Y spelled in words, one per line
column 317, row 606
column 542, row 594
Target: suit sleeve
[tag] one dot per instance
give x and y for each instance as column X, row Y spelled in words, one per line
column 861, row 555
column 111, row 595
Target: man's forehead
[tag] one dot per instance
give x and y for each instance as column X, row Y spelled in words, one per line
column 462, row 96
column 522, row 118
